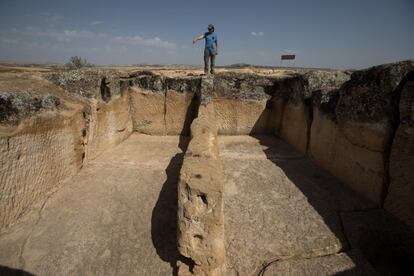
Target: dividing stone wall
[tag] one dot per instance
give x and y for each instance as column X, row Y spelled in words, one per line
column 200, row 200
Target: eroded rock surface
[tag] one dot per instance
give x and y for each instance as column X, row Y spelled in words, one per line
column 88, row 82
column 15, row 106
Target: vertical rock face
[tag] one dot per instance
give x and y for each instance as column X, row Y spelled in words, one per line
column 108, row 125
column 293, row 98
column 400, row 198
column 163, row 106
column 148, row 104
column 37, row 153
column 352, row 128
column 241, row 103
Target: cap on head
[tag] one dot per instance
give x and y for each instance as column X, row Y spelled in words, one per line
column 210, row 27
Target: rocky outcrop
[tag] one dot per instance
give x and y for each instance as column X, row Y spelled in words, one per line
column 89, row 83
column 400, row 198
column 15, row 106
column 200, row 200
column 353, row 127
column 162, row 105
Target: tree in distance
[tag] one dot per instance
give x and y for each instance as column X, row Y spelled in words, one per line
column 77, row 62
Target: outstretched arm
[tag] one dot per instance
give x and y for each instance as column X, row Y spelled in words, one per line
column 197, row 38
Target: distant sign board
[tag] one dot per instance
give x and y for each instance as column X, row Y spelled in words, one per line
column 288, row 57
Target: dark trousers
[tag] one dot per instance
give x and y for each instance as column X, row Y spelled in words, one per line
column 209, row 55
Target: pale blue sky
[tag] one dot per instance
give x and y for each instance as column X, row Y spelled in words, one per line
column 323, row 33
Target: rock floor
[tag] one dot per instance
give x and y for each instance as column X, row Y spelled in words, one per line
column 283, row 216
column 116, row 217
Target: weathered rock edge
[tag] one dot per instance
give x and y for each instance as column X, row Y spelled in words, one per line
column 200, row 200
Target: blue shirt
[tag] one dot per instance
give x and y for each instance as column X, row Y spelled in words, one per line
column 211, row 39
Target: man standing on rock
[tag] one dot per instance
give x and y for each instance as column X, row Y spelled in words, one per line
column 211, row 48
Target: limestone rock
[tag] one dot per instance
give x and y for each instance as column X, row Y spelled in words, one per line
column 15, row 106
column 369, row 95
column 87, row 82
column 368, row 101
column 200, row 199
column 293, row 96
column 162, row 105
column 242, row 86
column 241, row 103
column 352, row 127
column 299, row 87
column 36, row 158
column 108, row 124
column 400, row 198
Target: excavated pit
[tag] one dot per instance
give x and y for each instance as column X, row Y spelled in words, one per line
column 145, row 173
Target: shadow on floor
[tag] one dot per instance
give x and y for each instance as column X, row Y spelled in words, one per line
column 164, row 214
column 385, row 242
column 7, row 271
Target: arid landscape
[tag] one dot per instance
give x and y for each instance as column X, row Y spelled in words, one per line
column 161, row 170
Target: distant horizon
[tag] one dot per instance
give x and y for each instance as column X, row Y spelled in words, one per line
column 343, row 35
column 243, row 64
